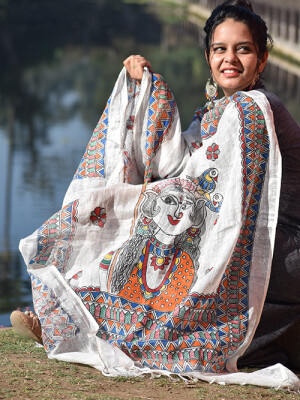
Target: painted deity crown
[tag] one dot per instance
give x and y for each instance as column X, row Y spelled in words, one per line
column 177, row 182
column 200, row 186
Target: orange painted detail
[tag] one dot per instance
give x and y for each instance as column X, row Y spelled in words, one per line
column 171, row 296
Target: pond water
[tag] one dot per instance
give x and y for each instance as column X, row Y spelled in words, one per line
column 57, row 70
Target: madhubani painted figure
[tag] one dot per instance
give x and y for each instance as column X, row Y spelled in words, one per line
column 158, row 264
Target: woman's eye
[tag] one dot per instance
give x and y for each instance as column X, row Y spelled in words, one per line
column 168, row 200
column 219, row 49
column 243, row 49
column 186, row 205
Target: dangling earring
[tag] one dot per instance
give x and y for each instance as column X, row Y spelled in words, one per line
column 211, row 92
column 254, row 81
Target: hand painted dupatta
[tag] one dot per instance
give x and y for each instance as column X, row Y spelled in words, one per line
column 160, row 257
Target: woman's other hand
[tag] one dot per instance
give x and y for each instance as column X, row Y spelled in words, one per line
column 135, row 66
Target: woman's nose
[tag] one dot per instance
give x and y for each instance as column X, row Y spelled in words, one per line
column 230, row 56
column 178, row 213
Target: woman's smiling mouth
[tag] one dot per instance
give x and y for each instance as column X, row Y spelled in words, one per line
column 231, row 72
column 173, row 221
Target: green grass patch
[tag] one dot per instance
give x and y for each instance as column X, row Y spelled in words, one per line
column 27, row 373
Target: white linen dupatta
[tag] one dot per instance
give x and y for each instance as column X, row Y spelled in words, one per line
column 159, row 259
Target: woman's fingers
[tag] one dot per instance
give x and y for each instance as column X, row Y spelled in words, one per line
column 135, row 66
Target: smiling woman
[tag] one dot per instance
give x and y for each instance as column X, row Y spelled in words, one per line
column 237, row 47
column 161, row 256
column 233, row 57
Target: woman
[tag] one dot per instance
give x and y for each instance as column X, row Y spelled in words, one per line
column 236, row 71
column 212, row 324
column 237, row 52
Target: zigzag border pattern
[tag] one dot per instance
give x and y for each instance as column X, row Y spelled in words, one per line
column 161, row 111
column 210, row 120
column 187, row 334
column 55, row 237
column 233, row 291
column 204, row 330
column 55, row 321
column 92, row 163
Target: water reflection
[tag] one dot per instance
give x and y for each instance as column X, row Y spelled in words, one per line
column 57, row 70
column 53, row 91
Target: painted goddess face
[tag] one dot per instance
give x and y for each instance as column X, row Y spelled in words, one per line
column 174, row 211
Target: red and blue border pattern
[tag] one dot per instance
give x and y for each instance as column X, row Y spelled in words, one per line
column 204, row 330
column 92, row 162
column 162, row 107
column 233, row 291
column 182, row 340
column 57, row 324
column 55, row 237
column 209, row 119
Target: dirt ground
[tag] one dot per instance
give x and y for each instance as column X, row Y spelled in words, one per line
column 27, row 373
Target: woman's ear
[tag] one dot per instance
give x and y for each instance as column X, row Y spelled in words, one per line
column 147, row 207
column 262, row 62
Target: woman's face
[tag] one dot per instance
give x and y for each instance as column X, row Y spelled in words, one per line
column 233, row 57
column 175, row 208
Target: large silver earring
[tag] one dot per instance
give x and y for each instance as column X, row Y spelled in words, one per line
column 211, row 92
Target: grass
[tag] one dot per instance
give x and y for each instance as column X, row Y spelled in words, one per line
column 27, row 373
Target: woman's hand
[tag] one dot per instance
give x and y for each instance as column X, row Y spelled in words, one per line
column 135, row 66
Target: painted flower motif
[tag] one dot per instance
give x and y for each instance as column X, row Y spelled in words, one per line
column 98, row 216
column 159, row 262
column 212, row 152
column 193, row 232
column 130, row 122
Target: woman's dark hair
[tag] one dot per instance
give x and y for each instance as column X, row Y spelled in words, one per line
column 239, row 3
column 241, row 11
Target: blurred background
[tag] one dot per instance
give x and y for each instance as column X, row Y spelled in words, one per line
column 58, row 64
